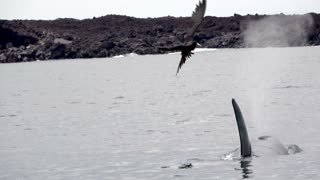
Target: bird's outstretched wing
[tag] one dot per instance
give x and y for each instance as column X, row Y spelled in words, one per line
column 184, row 56
column 197, row 18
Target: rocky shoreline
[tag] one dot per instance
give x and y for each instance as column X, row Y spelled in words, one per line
column 112, row 35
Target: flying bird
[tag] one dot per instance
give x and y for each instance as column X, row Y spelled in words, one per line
column 189, row 44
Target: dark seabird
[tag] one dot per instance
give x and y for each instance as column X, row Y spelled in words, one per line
column 189, row 44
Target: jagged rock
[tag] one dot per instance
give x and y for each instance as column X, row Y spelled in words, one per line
column 28, row 40
column 224, row 41
column 58, row 51
column 61, row 41
column 9, row 45
column 71, row 54
column 25, row 59
column 108, row 45
column 3, row 58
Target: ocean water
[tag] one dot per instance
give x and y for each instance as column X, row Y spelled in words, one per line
column 132, row 118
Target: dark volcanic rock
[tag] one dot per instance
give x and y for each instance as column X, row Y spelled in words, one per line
column 9, row 38
column 107, row 45
column 28, row 40
column 58, row 51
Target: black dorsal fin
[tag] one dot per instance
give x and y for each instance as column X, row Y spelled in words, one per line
column 243, row 133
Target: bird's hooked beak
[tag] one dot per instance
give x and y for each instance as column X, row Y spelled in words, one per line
column 199, row 45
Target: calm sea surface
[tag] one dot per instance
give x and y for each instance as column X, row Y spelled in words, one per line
column 132, row 118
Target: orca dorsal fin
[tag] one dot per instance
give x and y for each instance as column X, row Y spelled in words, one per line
column 243, row 133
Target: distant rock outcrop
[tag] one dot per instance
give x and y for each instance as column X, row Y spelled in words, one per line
column 112, row 35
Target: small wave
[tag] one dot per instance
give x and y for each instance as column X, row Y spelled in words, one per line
column 118, row 56
column 119, row 97
column 233, row 155
column 223, row 115
column 291, row 87
column 204, row 49
column 132, row 54
column 125, row 55
column 198, row 50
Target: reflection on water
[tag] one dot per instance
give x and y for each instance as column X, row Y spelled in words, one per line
column 246, row 169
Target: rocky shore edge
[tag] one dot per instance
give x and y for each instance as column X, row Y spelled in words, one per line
column 113, row 35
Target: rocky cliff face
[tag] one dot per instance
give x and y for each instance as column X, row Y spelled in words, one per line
column 28, row 40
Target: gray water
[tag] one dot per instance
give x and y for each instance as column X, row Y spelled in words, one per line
column 132, row 118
